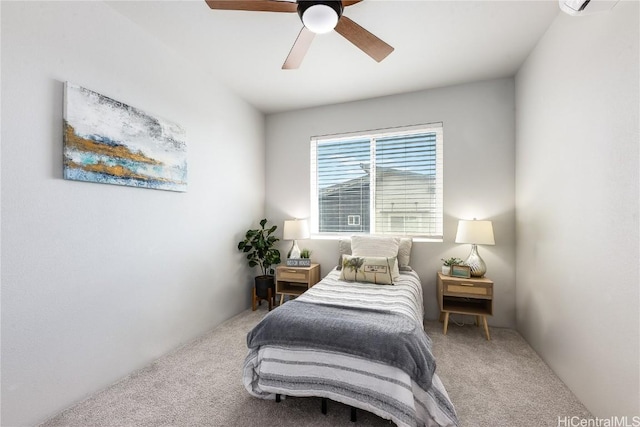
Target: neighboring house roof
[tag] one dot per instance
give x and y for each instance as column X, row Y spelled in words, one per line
column 381, row 172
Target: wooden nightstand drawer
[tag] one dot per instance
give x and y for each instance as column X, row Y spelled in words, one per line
column 293, row 275
column 477, row 289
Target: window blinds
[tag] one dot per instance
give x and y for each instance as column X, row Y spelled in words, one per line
column 388, row 182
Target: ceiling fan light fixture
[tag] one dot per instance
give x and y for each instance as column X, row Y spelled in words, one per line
column 320, row 16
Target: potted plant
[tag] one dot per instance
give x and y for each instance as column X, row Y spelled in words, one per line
column 305, row 254
column 447, row 263
column 259, row 244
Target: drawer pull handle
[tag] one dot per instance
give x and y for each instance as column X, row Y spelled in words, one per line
column 466, row 284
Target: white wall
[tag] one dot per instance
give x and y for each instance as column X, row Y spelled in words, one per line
column 99, row 280
column 479, row 155
column 577, row 206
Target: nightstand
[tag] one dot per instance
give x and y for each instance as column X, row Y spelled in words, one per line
column 294, row 281
column 473, row 296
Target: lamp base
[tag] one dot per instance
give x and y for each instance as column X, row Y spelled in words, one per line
column 294, row 252
column 476, row 263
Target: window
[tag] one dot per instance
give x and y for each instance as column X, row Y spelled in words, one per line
column 383, row 182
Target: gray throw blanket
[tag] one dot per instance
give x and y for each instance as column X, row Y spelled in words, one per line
column 386, row 337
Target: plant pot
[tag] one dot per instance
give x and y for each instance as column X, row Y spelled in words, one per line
column 263, row 283
column 446, row 270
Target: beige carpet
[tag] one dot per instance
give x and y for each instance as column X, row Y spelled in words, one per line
column 494, row 383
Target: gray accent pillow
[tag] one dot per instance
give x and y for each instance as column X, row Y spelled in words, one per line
column 344, row 248
column 404, row 254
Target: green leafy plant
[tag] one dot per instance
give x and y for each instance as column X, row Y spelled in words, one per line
column 451, row 261
column 259, row 246
column 305, row 253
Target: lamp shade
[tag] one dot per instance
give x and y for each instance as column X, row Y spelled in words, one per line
column 295, row 229
column 475, row 232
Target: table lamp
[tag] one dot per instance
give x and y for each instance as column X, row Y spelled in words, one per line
column 295, row 229
column 476, row 233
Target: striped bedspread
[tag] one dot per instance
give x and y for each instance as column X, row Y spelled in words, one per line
column 387, row 391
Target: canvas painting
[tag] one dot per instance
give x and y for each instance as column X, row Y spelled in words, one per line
column 109, row 142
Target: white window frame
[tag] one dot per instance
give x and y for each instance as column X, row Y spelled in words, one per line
column 372, row 135
column 353, row 220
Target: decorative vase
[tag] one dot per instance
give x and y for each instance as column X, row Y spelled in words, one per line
column 475, row 263
column 446, row 270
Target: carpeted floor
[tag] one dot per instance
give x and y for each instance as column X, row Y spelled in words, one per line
column 494, row 383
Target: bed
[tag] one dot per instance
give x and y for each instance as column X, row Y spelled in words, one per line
column 354, row 342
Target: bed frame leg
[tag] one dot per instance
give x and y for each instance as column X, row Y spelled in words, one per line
column 323, row 406
column 354, row 415
column 277, row 398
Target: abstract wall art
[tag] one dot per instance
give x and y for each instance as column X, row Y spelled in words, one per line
column 109, row 142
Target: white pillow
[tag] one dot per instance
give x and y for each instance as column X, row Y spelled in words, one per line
column 377, row 246
column 404, row 252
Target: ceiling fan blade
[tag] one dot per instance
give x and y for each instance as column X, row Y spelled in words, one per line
column 299, row 49
column 346, row 3
column 254, row 5
column 363, row 39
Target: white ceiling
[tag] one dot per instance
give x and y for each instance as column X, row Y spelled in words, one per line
column 437, row 43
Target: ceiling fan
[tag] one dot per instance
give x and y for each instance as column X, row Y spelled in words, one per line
column 318, row 16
